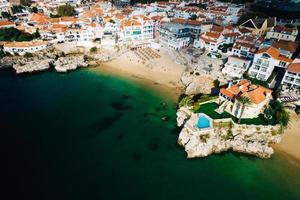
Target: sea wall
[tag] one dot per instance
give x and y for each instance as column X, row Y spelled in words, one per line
column 225, row 135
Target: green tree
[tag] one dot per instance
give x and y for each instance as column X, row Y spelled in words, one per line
column 217, row 83
column 244, row 101
column 5, row 15
column 93, row 50
column 193, row 17
column 283, row 117
column 66, row 10
column 186, row 101
column 25, row 2
column 34, row 10
column 12, row 34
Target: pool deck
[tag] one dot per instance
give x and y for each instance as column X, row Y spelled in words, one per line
column 192, row 123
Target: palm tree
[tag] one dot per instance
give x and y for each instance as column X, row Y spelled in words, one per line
column 243, row 101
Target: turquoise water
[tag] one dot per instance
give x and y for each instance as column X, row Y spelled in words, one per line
column 87, row 136
column 203, row 122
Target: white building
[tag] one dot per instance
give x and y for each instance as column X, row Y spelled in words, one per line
column 282, row 33
column 246, row 46
column 235, row 67
column 259, row 97
column 265, row 61
column 138, row 28
column 22, row 48
column 4, row 6
column 291, row 79
column 174, row 36
column 210, row 41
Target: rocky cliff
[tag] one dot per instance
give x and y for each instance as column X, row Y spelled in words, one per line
column 224, row 136
column 196, row 83
column 64, row 64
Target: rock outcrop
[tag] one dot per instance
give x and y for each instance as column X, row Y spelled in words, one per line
column 196, row 83
column 224, row 136
column 31, row 65
column 64, row 64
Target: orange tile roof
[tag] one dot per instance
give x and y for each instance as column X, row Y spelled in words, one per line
column 6, row 23
column 213, row 35
column 25, row 44
column 69, row 19
column 39, row 18
column 256, row 93
column 218, row 29
column 274, row 53
column 294, row 67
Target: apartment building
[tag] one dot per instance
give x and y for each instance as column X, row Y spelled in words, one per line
column 22, row 48
column 291, row 79
column 174, row 36
column 282, row 33
column 265, row 61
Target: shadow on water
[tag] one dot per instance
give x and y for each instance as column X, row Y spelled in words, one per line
column 120, row 137
column 105, row 123
column 153, row 146
column 237, row 155
column 127, row 97
column 176, row 130
column 137, row 156
column 119, row 105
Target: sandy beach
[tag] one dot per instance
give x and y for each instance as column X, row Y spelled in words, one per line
column 290, row 144
column 160, row 73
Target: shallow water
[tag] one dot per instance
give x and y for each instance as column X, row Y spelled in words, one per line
column 82, row 135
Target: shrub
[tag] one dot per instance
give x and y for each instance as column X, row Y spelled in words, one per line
column 217, row 83
column 28, row 55
column 93, row 50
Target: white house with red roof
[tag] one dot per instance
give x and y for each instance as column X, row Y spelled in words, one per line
column 258, row 95
column 217, row 36
column 22, row 48
column 246, row 46
column 291, row 79
column 282, row 33
column 265, row 61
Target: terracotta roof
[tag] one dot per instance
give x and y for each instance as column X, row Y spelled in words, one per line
column 25, row 44
column 6, row 23
column 285, row 45
column 294, row 67
column 39, row 18
column 185, row 21
column 256, row 93
column 156, row 18
column 218, row 29
column 68, row 19
column 274, row 53
column 283, row 29
column 235, row 34
column 212, row 35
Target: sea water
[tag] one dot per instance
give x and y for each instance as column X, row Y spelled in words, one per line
column 84, row 135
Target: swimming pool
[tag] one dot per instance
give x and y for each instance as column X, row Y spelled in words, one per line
column 203, row 122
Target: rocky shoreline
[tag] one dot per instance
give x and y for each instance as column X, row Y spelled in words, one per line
column 225, row 135
column 57, row 59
